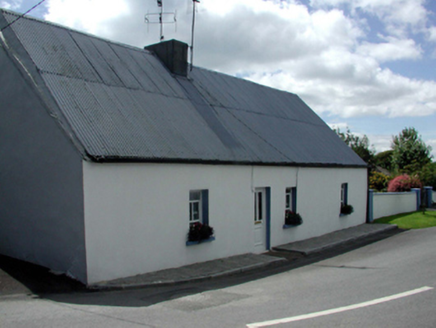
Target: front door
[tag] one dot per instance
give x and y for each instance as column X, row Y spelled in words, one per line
column 260, row 221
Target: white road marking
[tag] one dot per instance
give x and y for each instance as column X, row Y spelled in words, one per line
column 338, row 310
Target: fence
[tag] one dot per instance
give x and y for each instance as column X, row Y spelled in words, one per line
column 382, row 204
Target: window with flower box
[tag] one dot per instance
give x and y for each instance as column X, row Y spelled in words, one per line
column 292, row 218
column 291, row 199
column 346, row 208
column 199, row 229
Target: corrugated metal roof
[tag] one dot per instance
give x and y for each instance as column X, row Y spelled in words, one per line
column 122, row 104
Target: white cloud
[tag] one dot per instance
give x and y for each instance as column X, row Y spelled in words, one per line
column 398, row 18
column 381, row 142
column 11, row 4
column 432, row 34
column 394, row 49
column 265, row 42
column 432, row 144
column 380, row 93
column 93, row 16
column 395, row 13
column 342, row 126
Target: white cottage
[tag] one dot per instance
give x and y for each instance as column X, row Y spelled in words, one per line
column 109, row 153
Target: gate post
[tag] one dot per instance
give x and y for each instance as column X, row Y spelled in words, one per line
column 418, row 197
column 428, row 192
column 370, row 205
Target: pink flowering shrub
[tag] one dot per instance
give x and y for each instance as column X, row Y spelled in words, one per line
column 404, row 183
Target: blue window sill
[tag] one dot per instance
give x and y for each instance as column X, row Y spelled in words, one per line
column 191, row 243
column 343, row 215
column 289, row 226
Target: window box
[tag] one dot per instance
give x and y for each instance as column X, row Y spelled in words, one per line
column 289, row 226
column 190, row 243
column 346, row 210
column 199, row 233
column 292, row 219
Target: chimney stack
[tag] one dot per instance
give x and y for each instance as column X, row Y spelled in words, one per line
column 174, row 54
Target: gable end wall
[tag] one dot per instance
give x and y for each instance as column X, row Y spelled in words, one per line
column 41, row 192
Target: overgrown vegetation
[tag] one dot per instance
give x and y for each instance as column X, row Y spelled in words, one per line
column 414, row 220
column 384, row 160
column 409, row 156
column 378, row 181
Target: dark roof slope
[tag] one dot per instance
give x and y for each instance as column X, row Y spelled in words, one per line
column 120, row 103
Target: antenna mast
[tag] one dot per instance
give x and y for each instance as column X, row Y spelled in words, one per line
column 194, row 2
column 159, row 4
column 161, row 18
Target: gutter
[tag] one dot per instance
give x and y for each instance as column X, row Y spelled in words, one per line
column 119, row 159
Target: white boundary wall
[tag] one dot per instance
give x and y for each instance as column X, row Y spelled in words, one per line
column 391, row 203
column 136, row 214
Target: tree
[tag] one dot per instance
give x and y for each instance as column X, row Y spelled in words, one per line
column 384, row 159
column 428, row 175
column 378, row 181
column 409, row 152
column 360, row 145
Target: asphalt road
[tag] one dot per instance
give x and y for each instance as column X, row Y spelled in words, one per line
column 385, row 284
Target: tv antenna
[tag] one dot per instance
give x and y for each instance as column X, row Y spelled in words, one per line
column 161, row 18
column 194, row 2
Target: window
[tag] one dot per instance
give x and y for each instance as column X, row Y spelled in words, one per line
column 292, row 218
column 344, row 194
column 291, row 199
column 194, row 206
column 198, row 206
column 258, row 207
column 199, row 229
column 346, row 208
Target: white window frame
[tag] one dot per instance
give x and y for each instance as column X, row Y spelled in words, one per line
column 193, row 199
column 291, row 199
column 288, row 199
column 344, row 196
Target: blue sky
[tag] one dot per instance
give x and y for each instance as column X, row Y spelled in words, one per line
column 366, row 64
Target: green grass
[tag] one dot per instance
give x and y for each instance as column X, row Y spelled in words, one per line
column 414, row 220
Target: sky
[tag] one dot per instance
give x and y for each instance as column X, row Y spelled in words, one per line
column 369, row 65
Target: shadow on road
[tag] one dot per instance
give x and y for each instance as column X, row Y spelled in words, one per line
column 18, row 276
column 62, row 289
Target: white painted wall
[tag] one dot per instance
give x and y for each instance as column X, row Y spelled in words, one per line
column 387, row 203
column 136, row 214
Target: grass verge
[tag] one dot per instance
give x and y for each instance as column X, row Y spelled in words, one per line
column 414, row 220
